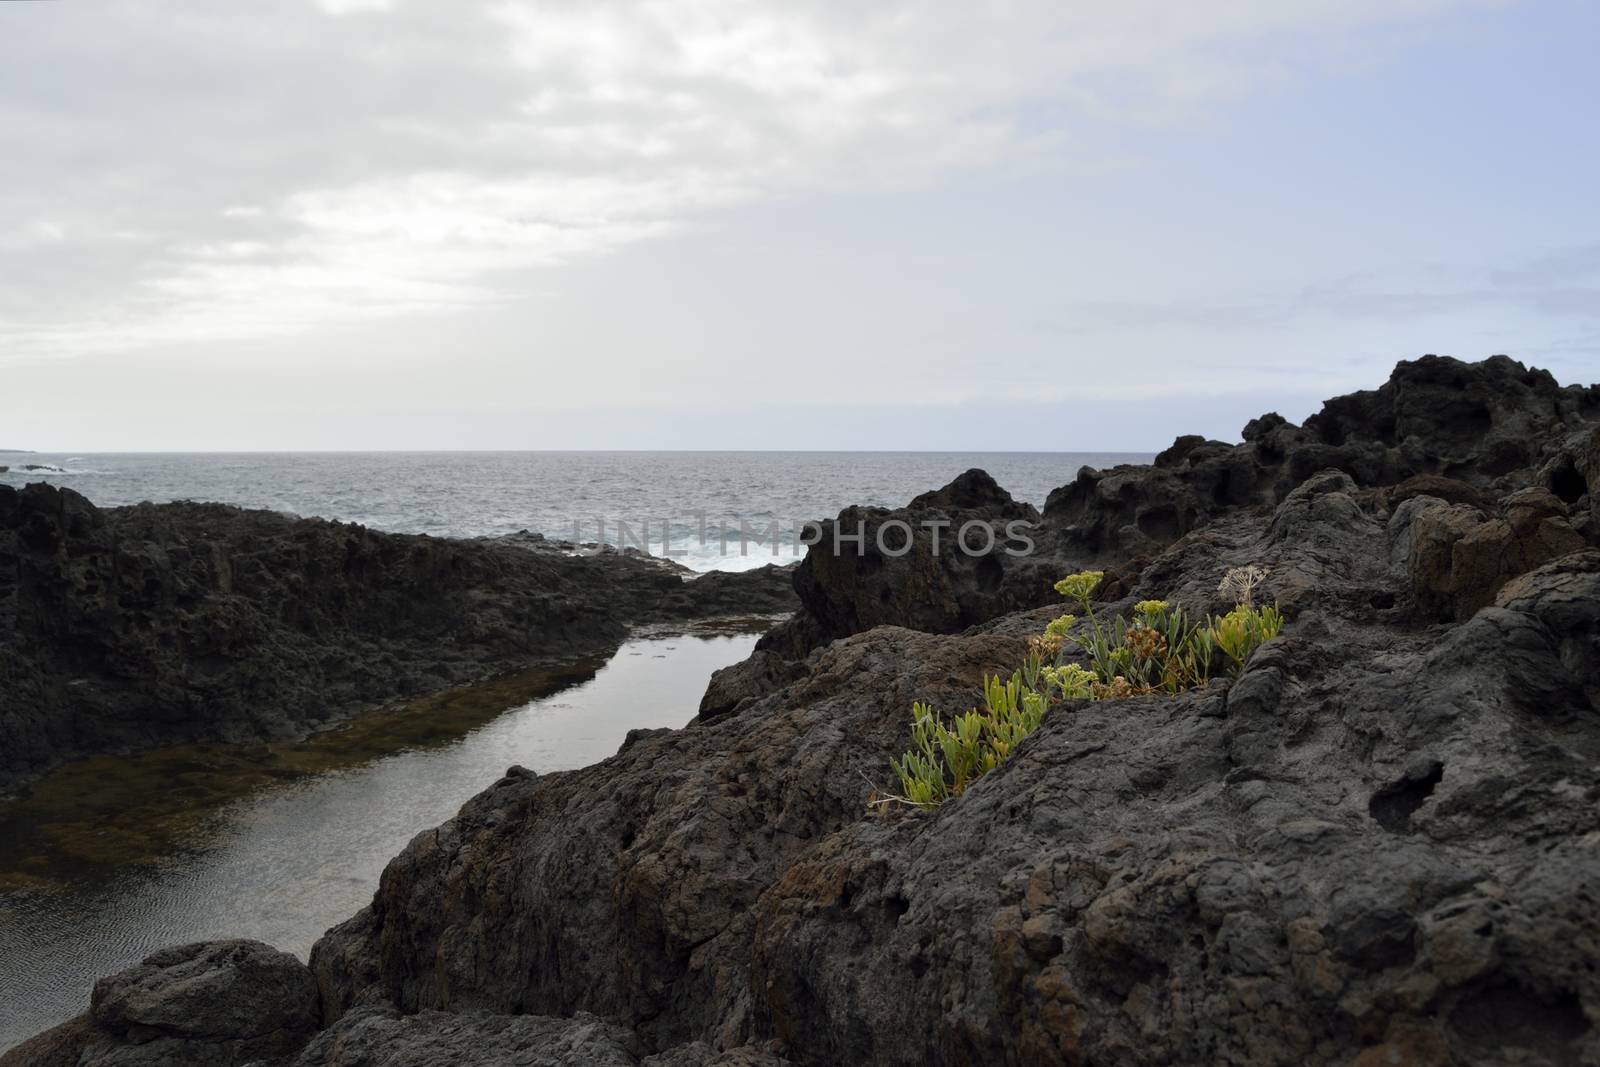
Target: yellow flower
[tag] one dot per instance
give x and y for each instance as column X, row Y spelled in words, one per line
column 1059, row 627
column 1080, row 586
column 1150, row 607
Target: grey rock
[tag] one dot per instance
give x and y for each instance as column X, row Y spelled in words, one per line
column 1464, row 433
column 200, row 622
column 210, row 1004
column 907, row 567
column 1459, row 559
column 626, row 889
column 382, row 1037
column 1371, row 847
column 748, row 680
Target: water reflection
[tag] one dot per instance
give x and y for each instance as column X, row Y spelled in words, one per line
column 112, row 858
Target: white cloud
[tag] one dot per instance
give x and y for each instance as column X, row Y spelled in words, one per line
column 350, row 7
column 300, row 174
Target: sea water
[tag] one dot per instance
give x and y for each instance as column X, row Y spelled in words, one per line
column 718, row 508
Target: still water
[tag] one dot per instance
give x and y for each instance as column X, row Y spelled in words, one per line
column 112, row 858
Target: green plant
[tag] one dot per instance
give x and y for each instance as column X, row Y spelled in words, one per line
column 1244, row 629
column 944, row 759
column 1159, row 651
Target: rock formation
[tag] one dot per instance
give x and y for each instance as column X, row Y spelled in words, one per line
column 1466, row 433
column 218, row 1003
column 1379, row 844
column 122, row 628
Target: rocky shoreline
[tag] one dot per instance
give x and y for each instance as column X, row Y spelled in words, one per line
column 128, row 628
column 1379, row 844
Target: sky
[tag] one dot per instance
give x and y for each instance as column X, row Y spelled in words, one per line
column 1021, row 225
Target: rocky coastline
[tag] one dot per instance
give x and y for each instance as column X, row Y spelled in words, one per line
column 1378, row 844
column 127, row 628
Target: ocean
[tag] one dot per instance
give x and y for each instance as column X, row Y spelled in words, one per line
column 704, row 500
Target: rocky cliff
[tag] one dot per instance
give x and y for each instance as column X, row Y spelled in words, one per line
column 122, row 628
column 1469, row 431
column 1379, row 844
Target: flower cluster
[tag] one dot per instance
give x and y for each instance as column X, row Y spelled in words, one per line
column 1080, row 586
column 1159, row 651
column 1059, row 626
column 1073, row 681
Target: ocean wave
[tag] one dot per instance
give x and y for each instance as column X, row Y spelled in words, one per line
column 46, row 468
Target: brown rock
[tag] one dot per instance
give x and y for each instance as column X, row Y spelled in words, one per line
column 1492, row 554
column 1458, row 562
column 1525, row 508
column 1450, row 490
column 1431, row 557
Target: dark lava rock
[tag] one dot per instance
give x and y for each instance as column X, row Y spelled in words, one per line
column 908, row 567
column 749, row 679
column 123, row 628
column 382, row 1037
column 1465, row 433
column 626, row 889
column 215, row 1003
column 1450, row 490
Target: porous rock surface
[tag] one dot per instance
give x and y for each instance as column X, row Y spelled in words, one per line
column 219, row 1003
column 951, row 558
column 122, row 628
column 1379, row 844
column 1466, row 433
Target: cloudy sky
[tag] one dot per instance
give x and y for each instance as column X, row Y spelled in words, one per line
column 1026, row 224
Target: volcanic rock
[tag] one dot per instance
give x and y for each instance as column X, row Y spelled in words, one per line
column 124, row 628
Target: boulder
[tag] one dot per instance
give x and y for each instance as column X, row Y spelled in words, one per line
column 951, row 558
column 1450, row 490
column 1471, row 421
column 1564, row 595
column 1459, row 560
column 210, row 1004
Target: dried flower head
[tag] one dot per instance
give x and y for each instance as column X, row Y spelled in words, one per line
column 1117, row 689
column 1046, row 646
column 1239, row 584
column 1146, row 643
